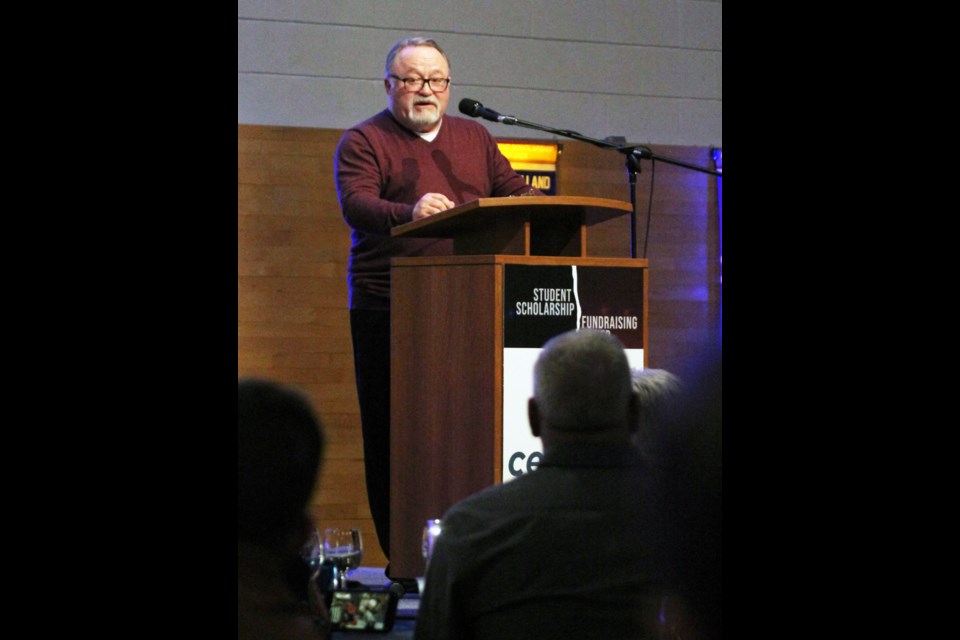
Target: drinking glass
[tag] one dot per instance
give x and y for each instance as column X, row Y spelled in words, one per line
column 344, row 549
column 430, row 533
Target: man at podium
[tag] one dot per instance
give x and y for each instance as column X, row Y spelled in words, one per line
column 407, row 162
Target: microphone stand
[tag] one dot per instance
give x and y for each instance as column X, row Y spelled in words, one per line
column 633, row 153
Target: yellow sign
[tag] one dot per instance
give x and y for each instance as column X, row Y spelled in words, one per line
column 530, row 156
column 535, row 161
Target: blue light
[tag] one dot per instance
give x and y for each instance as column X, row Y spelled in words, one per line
column 718, row 163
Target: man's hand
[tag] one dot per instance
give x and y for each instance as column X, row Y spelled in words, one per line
column 430, row 204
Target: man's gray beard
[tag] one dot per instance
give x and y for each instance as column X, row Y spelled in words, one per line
column 422, row 120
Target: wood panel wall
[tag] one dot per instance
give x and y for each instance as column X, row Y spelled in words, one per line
column 293, row 322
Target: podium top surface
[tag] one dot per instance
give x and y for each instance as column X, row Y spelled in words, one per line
column 446, row 224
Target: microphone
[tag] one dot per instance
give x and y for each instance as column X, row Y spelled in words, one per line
column 472, row 108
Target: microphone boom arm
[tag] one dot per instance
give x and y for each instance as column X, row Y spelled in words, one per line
column 635, row 150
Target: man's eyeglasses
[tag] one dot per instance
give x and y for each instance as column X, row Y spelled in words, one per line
column 437, row 85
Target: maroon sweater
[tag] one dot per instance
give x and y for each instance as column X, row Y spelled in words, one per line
column 382, row 169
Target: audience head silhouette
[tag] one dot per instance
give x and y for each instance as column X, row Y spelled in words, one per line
column 280, row 442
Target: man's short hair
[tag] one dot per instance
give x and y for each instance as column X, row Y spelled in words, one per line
column 415, row 41
column 658, row 390
column 581, row 382
column 658, row 397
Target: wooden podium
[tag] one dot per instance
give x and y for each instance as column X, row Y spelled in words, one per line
column 447, row 344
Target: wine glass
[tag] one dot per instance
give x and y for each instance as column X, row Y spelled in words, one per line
column 343, row 548
column 430, row 533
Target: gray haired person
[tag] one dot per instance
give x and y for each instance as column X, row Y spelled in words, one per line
column 658, row 393
column 567, row 550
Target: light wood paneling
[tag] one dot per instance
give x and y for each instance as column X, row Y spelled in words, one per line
column 293, row 323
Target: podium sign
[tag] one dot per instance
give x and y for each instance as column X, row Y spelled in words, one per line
column 541, row 302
